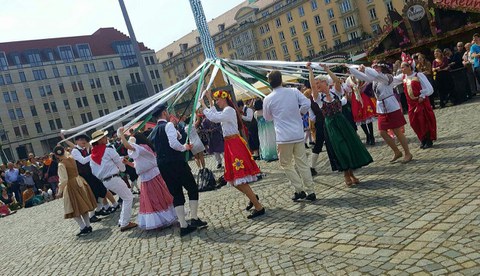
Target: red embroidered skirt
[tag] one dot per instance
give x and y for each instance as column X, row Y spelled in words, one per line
column 391, row 120
column 239, row 164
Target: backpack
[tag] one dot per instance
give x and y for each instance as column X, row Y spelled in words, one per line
column 206, row 180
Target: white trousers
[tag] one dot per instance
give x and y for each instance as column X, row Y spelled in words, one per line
column 118, row 186
column 302, row 181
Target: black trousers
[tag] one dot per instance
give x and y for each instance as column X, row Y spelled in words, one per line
column 178, row 175
column 319, row 135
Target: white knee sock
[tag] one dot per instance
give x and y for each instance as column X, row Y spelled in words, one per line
column 80, row 222
column 180, row 210
column 314, row 160
column 193, row 209
column 86, row 219
column 218, row 157
column 99, row 204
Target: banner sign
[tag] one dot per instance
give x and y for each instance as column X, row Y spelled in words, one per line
column 460, row 5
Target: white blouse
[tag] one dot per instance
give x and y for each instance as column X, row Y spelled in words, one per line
column 321, row 96
column 227, row 118
column 386, row 101
column 145, row 162
column 427, row 88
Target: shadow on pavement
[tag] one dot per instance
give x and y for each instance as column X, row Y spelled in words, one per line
column 358, row 202
column 419, row 184
column 97, row 235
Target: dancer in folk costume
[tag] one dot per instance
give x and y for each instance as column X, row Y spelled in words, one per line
column 197, row 145
column 215, row 140
column 417, row 88
column 175, row 169
column 240, row 168
column 156, row 202
column 389, row 112
column 250, row 124
column 106, row 165
column 350, row 153
column 266, row 134
column 77, row 196
column 363, row 109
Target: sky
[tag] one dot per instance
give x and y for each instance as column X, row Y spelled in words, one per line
column 157, row 23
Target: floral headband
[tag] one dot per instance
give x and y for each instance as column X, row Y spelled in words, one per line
column 221, row 94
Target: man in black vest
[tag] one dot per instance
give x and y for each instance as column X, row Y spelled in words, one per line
column 252, row 128
column 174, row 169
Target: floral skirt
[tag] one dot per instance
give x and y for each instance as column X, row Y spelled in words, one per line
column 240, row 168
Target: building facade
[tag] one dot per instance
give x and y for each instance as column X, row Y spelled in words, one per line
column 52, row 84
column 291, row 30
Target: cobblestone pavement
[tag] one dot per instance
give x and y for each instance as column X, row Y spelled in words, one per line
column 420, row 218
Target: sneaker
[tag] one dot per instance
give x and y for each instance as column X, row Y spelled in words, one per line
column 83, row 232
column 129, row 226
column 313, row 171
column 198, row 223
column 298, row 196
column 89, row 229
column 187, row 230
column 95, row 219
column 311, row 197
column 256, row 213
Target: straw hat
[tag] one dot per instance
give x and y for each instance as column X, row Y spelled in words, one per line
column 97, row 135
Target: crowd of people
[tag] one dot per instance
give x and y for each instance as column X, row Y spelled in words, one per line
column 324, row 114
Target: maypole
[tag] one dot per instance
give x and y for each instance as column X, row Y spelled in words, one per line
column 202, row 26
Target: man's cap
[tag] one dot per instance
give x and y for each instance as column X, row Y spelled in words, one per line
column 159, row 109
column 82, row 136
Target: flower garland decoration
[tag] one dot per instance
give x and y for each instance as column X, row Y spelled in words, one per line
column 221, row 94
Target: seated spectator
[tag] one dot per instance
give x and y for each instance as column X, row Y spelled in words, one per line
column 30, row 199
column 9, row 201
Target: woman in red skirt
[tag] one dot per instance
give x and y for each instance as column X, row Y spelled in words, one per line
column 240, row 168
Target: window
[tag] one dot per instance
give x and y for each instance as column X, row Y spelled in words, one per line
column 157, row 73
column 304, row 26
column 345, row 6
column 330, row 13
column 352, row 35
column 38, row 126
column 11, row 114
column 46, row 106
column 66, row 53
column 52, row 124
column 289, row 17
column 100, row 112
column 299, row 57
column 74, row 86
column 92, row 84
column 110, row 65
column 59, row 123
column 33, row 58
column 327, row 2
column 152, row 75
column 334, row 29
column 41, row 89
column 71, row 120
column 19, row 113
column 39, row 74
column 61, row 88
column 69, row 70
column 278, row 22
column 84, row 118
column 106, row 111
column 373, row 14
column 25, row 130
column 85, row 101
column 389, row 5
column 6, row 97
column 89, row 115
column 14, row 96
column 54, row 107
column 376, row 29
column 311, row 52
column 112, row 83
column 2, row 80
column 314, row 4
column 98, row 82
column 321, row 35
column 274, row 54
column 84, row 51
column 80, row 86
column 115, row 95
column 281, row 35
column 285, row 49
column 120, row 93
column 22, row 76
column 97, row 100
column 17, row 131
column 308, row 40
column 86, row 68
column 79, row 102
column 293, row 32
column 66, row 104
column 105, row 66
column 152, row 60
column 3, row 61
column 102, row 98
column 8, row 79
column 28, row 93
column 92, row 67
column 48, row 90
column 337, row 42
column 301, row 11
column 349, row 22
column 296, row 45
column 317, row 20
column 125, row 50
column 117, row 80
column 74, row 69
column 55, row 72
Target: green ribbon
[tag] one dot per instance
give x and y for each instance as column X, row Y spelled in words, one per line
column 247, row 85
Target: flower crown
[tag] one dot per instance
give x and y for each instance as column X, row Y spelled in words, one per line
column 221, row 94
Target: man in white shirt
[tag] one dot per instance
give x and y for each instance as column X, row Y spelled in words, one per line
column 106, row 165
column 285, row 106
column 174, row 168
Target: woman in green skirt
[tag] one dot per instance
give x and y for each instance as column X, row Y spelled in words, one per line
column 349, row 152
